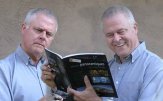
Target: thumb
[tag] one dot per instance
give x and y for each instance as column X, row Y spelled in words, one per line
column 87, row 82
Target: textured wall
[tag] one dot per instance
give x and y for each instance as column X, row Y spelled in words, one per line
column 79, row 24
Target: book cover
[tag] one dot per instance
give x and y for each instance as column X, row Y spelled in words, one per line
column 70, row 71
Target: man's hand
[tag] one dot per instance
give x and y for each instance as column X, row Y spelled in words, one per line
column 53, row 97
column 87, row 95
column 48, row 77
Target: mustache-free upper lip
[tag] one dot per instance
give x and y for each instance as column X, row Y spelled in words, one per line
column 119, row 43
column 40, row 44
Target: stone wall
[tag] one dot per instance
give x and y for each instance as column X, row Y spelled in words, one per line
column 79, row 24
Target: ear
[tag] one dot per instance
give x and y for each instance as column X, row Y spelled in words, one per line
column 23, row 28
column 135, row 26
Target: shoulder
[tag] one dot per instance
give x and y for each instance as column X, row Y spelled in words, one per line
column 153, row 65
column 145, row 57
column 152, row 59
column 7, row 62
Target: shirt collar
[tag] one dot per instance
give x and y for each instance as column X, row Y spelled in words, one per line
column 138, row 51
column 134, row 55
column 117, row 59
column 25, row 57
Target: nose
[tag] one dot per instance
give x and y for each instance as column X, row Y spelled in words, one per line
column 116, row 37
column 43, row 35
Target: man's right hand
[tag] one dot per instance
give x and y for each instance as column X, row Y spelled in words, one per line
column 87, row 95
column 48, row 77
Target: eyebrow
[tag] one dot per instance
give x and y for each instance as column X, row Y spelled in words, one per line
column 42, row 29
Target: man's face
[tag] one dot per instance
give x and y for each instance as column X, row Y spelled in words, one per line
column 38, row 34
column 120, row 34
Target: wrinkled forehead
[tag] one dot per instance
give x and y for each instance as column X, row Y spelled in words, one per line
column 34, row 17
column 44, row 21
column 116, row 19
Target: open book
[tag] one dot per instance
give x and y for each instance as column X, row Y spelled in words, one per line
column 70, row 71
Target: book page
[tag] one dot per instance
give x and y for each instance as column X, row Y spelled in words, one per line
column 95, row 66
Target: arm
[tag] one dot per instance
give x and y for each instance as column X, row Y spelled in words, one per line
column 153, row 90
column 87, row 95
column 48, row 78
column 5, row 87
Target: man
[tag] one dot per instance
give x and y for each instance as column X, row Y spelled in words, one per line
column 137, row 72
column 20, row 72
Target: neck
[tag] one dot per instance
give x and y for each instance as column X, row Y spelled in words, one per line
column 124, row 57
column 35, row 58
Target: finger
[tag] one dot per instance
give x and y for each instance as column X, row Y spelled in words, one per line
column 48, row 77
column 46, row 68
column 87, row 82
column 47, row 73
column 75, row 98
column 42, row 77
column 72, row 91
column 43, row 99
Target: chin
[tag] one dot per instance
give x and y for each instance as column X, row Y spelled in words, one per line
column 121, row 54
column 39, row 50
